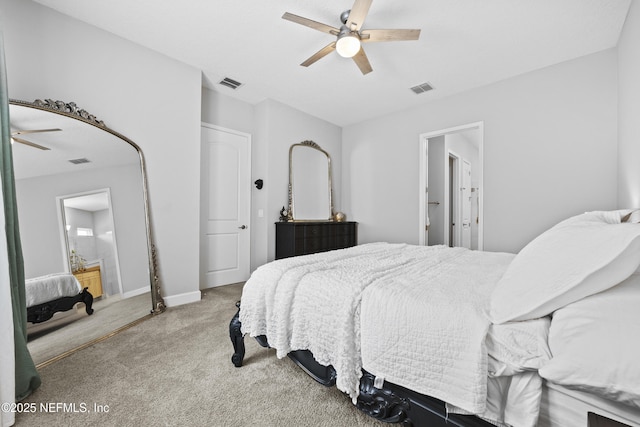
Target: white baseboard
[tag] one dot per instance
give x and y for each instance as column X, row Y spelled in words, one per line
column 136, row 292
column 180, row 299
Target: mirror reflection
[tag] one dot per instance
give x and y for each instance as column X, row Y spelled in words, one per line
column 82, row 213
column 91, row 246
column 310, row 183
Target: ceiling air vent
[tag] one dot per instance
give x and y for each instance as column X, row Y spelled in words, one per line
column 424, row 87
column 233, row 84
column 79, row 161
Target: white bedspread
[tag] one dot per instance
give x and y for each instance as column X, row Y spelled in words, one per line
column 426, row 329
column 416, row 316
column 52, row 286
column 312, row 303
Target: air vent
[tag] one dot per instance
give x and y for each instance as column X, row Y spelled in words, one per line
column 233, row 84
column 424, row 87
column 79, row 161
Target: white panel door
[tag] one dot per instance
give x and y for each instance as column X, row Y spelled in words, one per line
column 227, row 206
column 466, row 205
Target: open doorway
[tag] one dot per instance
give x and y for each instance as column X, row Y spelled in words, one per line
column 450, row 199
column 88, row 240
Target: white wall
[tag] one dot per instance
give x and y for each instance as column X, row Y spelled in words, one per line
column 84, row 246
column 629, row 111
column 152, row 99
column 549, row 152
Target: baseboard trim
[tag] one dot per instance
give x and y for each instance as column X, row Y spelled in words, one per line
column 180, row 299
column 136, row 292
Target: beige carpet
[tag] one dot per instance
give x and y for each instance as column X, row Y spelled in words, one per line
column 175, row 370
column 70, row 329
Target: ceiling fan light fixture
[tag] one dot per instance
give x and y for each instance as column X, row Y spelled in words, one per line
column 348, row 44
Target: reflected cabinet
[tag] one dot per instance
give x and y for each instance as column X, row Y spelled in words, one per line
column 301, row 238
column 91, row 279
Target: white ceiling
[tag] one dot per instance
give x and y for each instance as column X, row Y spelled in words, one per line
column 91, row 202
column 76, row 140
column 463, row 44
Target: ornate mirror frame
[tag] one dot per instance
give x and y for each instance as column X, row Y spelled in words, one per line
column 291, row 211
column 70, row 110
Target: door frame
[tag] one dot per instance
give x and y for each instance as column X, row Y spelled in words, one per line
column 64, row 236
column 202, row 266
column 423, row 175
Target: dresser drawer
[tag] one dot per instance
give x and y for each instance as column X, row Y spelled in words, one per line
column 301, row 238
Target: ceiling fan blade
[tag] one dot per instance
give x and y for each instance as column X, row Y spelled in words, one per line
column 358, row 12
column 320, row 54
column 362, row 62
column 29, row 143
column 22, row 132
column 310, row 23
column 388, row 35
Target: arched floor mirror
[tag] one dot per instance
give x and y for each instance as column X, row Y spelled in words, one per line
column 84, row 212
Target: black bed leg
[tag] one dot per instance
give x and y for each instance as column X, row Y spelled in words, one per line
column 87, row 299
column 235, row 333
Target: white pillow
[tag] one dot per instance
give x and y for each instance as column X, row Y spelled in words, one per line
column 576, row 258
column 595, row 344
column 632, row 216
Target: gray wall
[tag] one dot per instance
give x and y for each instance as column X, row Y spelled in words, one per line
column 629, row 111
column 550, row 151
column 152, row 99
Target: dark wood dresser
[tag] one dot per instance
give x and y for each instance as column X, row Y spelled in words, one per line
column 301, row 238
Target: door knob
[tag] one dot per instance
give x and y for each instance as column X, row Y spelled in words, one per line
column 243, row 227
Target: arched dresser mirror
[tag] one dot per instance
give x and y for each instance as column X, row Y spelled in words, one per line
column 83, row 208
column 310, row 183
column 310, row 224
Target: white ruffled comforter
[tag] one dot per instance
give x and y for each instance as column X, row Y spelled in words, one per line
column 424, row 316
column 313, row 303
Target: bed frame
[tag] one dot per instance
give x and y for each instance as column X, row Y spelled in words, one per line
column 391, row 403
column 45, row 311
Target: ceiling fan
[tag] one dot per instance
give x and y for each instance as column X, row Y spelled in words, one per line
column 29, row 143
column 350, row 35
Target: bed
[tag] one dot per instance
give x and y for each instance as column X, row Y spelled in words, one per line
column 47, row 295
column 447, row 336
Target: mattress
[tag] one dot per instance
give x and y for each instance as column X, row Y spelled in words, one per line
column 50, row 287
column 561, row 407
